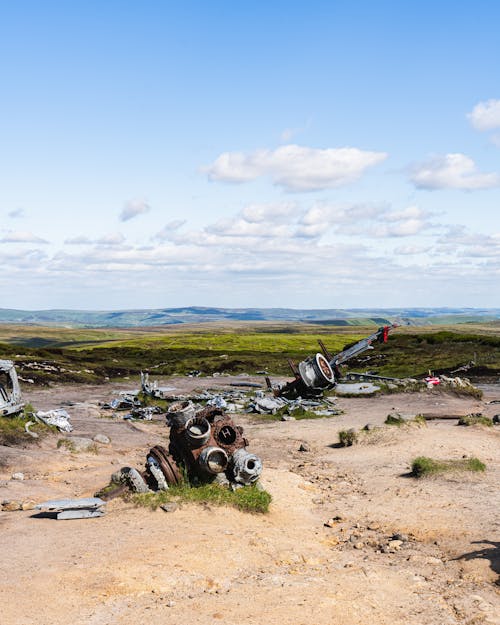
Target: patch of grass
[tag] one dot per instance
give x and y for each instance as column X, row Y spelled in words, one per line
column 395, row 419
column 67, row 444
column 348, row 437
column 424, row 466
column 247, row 498
column 12, row 432
column 475, row 419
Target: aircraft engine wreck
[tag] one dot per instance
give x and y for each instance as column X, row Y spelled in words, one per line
column 320, row 372
column 10, row 391
column 204, row 445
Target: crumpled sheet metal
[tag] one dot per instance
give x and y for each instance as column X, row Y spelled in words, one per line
column 58, row 418
column 10, row 392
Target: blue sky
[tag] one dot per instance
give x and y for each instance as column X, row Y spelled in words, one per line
column 299, row 154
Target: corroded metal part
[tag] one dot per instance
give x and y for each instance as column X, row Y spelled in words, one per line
column 213, row 460
column 167, row 465
column 197, row 432
column 179, row 413
column 246, row 468
column 154, row 468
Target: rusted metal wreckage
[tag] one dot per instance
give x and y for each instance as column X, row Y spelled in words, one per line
column 10, row 391
column 321, row 371
column 204, row 444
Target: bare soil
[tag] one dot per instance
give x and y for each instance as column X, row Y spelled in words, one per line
column 206, row 565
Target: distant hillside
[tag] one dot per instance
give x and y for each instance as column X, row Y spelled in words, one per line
column 199, row 314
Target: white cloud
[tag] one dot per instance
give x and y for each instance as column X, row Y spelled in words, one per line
column 412, row 250
column 16, row 213
column 21, row 237
column 114, row 238
column 485, row 115
column 168, row 230
column 78, row 240
column 259, row 213
column 296, row 168
column 452, row 171
column 133, row 208
column 406, row 228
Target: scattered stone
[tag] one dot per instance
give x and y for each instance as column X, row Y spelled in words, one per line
column 79, row 443
column 496, row 419
column 11, row 505
column 286, row 417
column 402, row 537
column 29, row 504
column 395, row 544
column 171, row 506
column 374, row 527
column 369, row 427
column 304, row 447
column 18, row 476
column 432, row 560
column 170, row 604
column 102, row 438
column 333, row 521
column 358, row 545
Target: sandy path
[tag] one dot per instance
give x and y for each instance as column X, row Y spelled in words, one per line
column 209, row 565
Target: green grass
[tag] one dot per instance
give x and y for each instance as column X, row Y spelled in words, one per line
column 247, row 498
column 347, row 437
column 12, row 432
column 424, row 466
column 475, row 419
column 91, row 355
column 392, row 419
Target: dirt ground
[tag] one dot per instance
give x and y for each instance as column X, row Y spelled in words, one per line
column 322, row 555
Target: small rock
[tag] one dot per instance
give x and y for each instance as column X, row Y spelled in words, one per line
column 29, row 504
column 353, row 538
column 431, row 560
column 369, row 427
column 286, row 417
column 102, row 438
column 304, row 447
column 358, row 545
column 170, row 604
column 332, row 522
column 374, row 527
column 11, row 506
column 18, row 476
column 402, row 537
column 79, row 443
column 395, row 544
column 496, row 419
column 171, row 506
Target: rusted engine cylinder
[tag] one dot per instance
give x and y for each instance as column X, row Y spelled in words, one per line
column 213, row 460
column 316, row 372
column 246, row 467
column 197, row 432
column 179, row 413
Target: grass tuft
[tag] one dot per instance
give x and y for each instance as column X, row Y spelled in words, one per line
column 475, row 419
column 248, row 498
column 424, row 466
column 394, row 419
column 347, row 437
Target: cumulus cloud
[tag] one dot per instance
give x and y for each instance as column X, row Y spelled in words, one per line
column 133, row 208
column 21, row 237
column 485, row 115
column 296, row 168
column 452, row 171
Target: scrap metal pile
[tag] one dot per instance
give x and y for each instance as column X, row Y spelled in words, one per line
column 204, row 444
